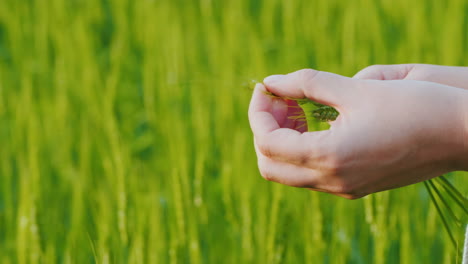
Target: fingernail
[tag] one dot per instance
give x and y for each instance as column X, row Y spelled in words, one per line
column 272, row 79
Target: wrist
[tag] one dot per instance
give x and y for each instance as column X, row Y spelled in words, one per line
column 455, row 146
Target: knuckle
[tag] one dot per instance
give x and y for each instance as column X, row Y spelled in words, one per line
column 337, row 169
column 307, row 72
column 306, row 75
column 334, row 166
column 374, row 67
column 344, row 187
column 347, row 189
column 371, row 71
column 265, row 149
column 267, row 174
column 264, row 166
column 303, row 160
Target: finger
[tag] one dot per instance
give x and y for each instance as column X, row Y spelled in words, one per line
column 310, row 149
column 323, row 87
column 286, row 173
column 260, row 117
column 385, row 72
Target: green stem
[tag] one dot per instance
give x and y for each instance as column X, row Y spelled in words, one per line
column 447, row 206
column 460, row 199
column 444, row 221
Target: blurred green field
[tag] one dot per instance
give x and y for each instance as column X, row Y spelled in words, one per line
column 124, row 134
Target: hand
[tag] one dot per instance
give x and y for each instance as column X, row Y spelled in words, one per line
column 389, row 133
column 448, row 75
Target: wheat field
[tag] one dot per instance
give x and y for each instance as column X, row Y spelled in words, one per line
column 124, row 135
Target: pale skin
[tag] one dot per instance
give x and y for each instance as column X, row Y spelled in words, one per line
column 398, row 125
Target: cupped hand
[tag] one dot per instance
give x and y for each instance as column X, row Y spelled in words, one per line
column 389, row 133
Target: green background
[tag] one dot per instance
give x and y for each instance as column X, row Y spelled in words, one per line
column 124, row 135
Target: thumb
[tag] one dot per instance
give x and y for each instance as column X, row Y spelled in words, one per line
column 322, row 87
column 385, row 72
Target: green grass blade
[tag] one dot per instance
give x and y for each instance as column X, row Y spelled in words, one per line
column 445, row 203
column 444, row 221
column 452, row 191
